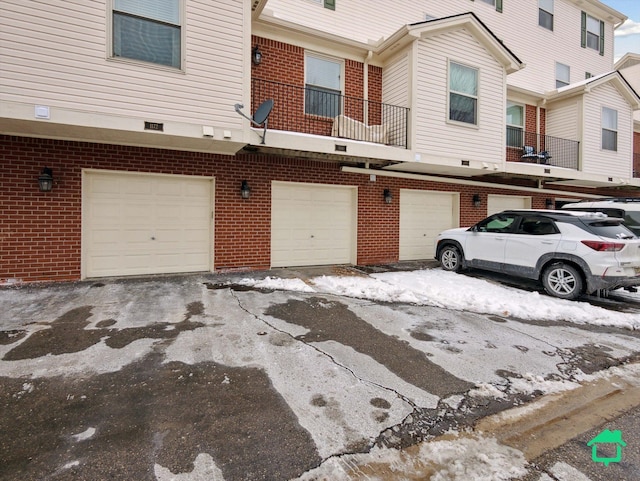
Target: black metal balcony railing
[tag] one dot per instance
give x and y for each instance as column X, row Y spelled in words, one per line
column 636, row 164
column 324, row 112
column 560, row 152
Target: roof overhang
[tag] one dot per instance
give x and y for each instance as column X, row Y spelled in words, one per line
column 467, row 21
column 614, row 78
column 600, row 10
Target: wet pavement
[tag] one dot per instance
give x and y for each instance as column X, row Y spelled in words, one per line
column 197, row 376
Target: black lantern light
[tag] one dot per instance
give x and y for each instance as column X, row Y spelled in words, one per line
column 256, row 55
column 45, row 180
column 549, row 203
column 476, row 200
column 388, row 198
column 245, row 190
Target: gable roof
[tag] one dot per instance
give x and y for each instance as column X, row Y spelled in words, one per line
column 615, row 78
column 467, row 21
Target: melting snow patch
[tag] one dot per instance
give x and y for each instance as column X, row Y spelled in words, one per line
column 277, row 284
column 462, row 459
column 83, row 436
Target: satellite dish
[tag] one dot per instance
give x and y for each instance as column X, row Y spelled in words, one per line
column 260, row 117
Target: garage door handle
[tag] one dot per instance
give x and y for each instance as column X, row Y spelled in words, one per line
column 153, row 238
column 312, row 236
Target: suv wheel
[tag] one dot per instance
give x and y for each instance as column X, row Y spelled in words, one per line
column 450, row 258
column 563, row 281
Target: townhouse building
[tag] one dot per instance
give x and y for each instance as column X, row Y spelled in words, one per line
column 142, row 137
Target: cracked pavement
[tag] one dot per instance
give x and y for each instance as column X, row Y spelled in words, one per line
column 150, row 379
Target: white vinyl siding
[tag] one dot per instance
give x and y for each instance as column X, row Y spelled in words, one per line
column 59, row 57
column 516, row 26
column 435, row 135
column 563, row 119
column 595, row 159
column 395, row 90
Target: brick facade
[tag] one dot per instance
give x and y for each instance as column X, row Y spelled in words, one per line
column 40, row 235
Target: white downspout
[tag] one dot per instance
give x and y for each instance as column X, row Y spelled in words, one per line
column 365, row 95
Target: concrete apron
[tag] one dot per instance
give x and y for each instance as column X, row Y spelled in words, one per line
column 533, row 429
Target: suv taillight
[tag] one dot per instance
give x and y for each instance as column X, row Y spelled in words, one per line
column 601, row 246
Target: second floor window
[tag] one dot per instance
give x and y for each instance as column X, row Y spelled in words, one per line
column 609, row 129
column 495, row 3
column 322, row 86
column 463, row 93
column 545, row 14
column 592, row 33
column 148, row 30
column 515, row 125
column 563, row 75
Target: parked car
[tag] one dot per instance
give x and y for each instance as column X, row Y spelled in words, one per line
column 570, row 253
column 627, row 208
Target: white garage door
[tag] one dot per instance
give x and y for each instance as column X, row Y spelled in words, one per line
column 498, row 203
column 312, row 224
column 146, row 224
column 423, row 215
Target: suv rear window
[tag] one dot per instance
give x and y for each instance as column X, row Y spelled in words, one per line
column 612, row 229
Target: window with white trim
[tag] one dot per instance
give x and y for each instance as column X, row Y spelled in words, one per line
column 148, row 30
column 323, row 86
column 545, row 14
column 463, row 93
column 563, row 75
column 330, row 4
column 494, row 3
column 609, row 129
column 515, row 124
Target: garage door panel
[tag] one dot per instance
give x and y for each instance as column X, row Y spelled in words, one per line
column 423, row 215
column 498, row 203
column 146, row 224
column 312, row 224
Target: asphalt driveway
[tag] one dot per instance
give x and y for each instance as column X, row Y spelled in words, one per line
column 197, row 377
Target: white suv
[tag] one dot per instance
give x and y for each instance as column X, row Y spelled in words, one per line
column 627, row 208
column 571, row 253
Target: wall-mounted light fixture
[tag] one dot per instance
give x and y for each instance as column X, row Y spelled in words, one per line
column 388, row 198
column 45, row 180
column 256, row 55
column 245, row 190
column 550, row 204
column 476, row 200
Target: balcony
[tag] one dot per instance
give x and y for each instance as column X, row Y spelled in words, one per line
column 560, row 152
column 330, row 114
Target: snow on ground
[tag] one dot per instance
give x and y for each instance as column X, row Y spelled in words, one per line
column 438, row 288
column 459, row 459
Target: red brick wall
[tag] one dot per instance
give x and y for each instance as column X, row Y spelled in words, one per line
column 283, row 68
column 40, row 233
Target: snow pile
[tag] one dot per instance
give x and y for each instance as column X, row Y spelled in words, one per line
column 438, row 288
